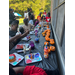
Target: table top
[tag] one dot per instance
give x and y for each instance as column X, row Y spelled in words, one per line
column 46, row 64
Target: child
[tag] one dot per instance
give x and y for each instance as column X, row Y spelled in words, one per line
column 44, row 13
column 13, row 29
column 36, row 22
column 31, row 19
column 43, row 19
column 27, row 25
column 39, row 17
column 48, row 18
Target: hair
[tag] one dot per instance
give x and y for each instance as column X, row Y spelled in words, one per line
column 31, row 17
column 26, row 21
column 16, row 22
column 28, row 9
column 21, row 30
column 48, row 14
column 42, row 17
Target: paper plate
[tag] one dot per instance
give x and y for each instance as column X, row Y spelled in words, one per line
column 19, row 58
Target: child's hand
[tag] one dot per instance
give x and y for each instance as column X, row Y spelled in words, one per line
column 27, row 31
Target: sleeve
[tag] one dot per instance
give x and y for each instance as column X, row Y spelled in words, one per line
column 32, row 70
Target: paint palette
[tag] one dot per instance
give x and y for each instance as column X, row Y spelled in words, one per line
column 37, row 57
column 19, row 58
column 20, row 46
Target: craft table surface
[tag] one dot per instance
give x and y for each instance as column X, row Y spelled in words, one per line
column 46, row 64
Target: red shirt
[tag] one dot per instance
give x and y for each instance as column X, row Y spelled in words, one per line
column 44, row 13
column 48, row 19
column 32, row 70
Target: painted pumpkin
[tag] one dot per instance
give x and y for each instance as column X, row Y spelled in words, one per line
column 52, row 48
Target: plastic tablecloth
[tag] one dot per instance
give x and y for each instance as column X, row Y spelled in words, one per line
column 49, row 64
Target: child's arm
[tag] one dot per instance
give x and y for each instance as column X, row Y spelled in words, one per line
column 31, row 24
column 19, row 69
column 24, row 34
column 14, row 38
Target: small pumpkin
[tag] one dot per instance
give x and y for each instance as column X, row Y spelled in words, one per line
column 46, row 43
column 49, row 50
column 45, row 31
column 52, row 48
column 43, row 34
column 52, row 41
column 47, row 39
column 47, row 26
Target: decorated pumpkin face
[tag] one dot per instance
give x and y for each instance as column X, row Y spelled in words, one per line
column 52, row 48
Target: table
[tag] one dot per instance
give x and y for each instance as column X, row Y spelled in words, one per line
column 49, row 64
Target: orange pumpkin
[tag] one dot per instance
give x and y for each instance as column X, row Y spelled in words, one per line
column 52, row 48
column 43, row 34
column 47, row 26
column 52, row 41
column 49, row 50
column 46, row 43
column 47, row 39
column 45, row 31
column 48, row 33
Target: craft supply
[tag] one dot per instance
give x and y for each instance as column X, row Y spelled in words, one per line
column 12, row 57
column 37, row 40
column 24, row 49
column 33, row 57
column 29, row 49
column 32, row 44
column 20, row 51
column 46, row 43
column 19, row 58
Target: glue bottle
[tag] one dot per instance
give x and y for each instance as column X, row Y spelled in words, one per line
column 24, row 49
